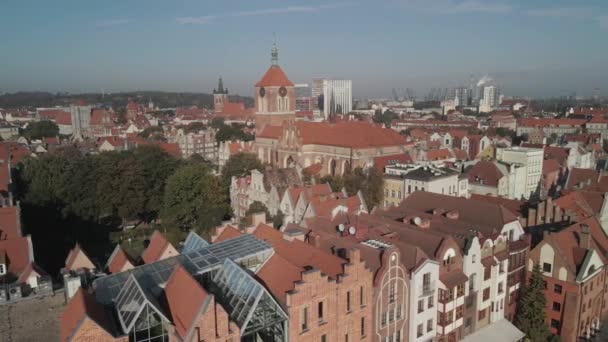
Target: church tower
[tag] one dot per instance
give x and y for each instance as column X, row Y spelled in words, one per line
column 220, row 97
column 275, row 99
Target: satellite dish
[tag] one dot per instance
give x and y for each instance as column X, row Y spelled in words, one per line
column 341, row 227
column 417, row 220
column 352, row 230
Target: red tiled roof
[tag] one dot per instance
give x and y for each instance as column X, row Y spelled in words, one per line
column 157, row 246
column 185, row 298
column 558, row 153
column 354, row 134
column 484, row 213
column 582, row 179
column 299, row 253
column 485, row 171
column 274, row 77
column 17, row 253
column 118, row 260
column 271, row 132
column 228, row 233
column 31, row 268
column 514, row 206
column 279, row 276
column 74, row 252
column 83, row 305
column 441, row 154
column 550, row 166
column 323, row 206
column 112, row 140
column 10, row 227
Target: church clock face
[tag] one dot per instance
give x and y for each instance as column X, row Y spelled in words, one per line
column 262, row 92
column 282, row 91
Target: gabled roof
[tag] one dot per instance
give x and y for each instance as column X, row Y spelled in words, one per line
column 185, row 300
column 353, row 134
column 381, row 162
column 486, row 172
column 73, row 255
column 274, row 77
column 80, row 307
column 158, row 244
column 118, row 260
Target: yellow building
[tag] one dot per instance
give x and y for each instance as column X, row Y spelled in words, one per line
column 393, row 190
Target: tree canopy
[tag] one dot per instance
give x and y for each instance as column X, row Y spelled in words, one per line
column 239, row 165
column 41, row 129
column 194, row 199
column 368, row 181
column 128, row 184
column 531, row 315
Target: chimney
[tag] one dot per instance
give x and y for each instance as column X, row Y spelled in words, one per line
column 531, row 217
column 258, row 218
column 584, row 239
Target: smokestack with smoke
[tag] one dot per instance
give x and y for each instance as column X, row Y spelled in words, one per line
column 485, row 79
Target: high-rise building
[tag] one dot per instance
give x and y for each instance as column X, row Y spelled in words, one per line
column 332, row 97
column 490, row 100
column 303, row 97
column 462, row 96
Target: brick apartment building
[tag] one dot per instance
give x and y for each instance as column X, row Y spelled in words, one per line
column 573, row 263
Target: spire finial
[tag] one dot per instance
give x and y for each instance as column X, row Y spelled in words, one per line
column 275, row 51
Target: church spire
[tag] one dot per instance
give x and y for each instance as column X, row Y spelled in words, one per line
column 275, row 52
column 220, row 87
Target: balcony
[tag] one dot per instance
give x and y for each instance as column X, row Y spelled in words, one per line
column 427, row 289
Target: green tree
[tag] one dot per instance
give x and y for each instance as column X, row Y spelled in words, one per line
column 255, row 208
column 151, row 131
column 121, row 187
column 41, row 129
column 156, row 165
column 194, row 199
column 217, row 122
column 239, row 165
column 531, row 315
column 368, row 181
column 195, row 127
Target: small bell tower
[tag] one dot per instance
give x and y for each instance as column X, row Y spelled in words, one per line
column 220, row 96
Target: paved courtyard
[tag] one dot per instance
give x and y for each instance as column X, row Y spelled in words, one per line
column 31, row 320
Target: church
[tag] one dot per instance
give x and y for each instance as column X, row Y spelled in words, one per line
column 329, row 148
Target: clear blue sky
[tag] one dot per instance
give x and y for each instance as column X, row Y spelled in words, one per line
column 537, row 48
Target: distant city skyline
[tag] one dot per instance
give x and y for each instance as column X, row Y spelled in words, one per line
column 538, row 49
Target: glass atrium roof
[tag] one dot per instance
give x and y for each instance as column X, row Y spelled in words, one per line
column 200, row 261
column 247, row 302
column 194, row 242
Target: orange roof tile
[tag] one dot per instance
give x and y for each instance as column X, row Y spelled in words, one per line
column 81, row 306
column 185, row 298
column 17, row 252
column 353, row 134
column 274, row 77
column 10, row 226
column 158, row 244
column 228, row 233
column 118, row 260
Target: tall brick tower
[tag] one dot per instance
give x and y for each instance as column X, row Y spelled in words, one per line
column 220, row 96
column 275, row 98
